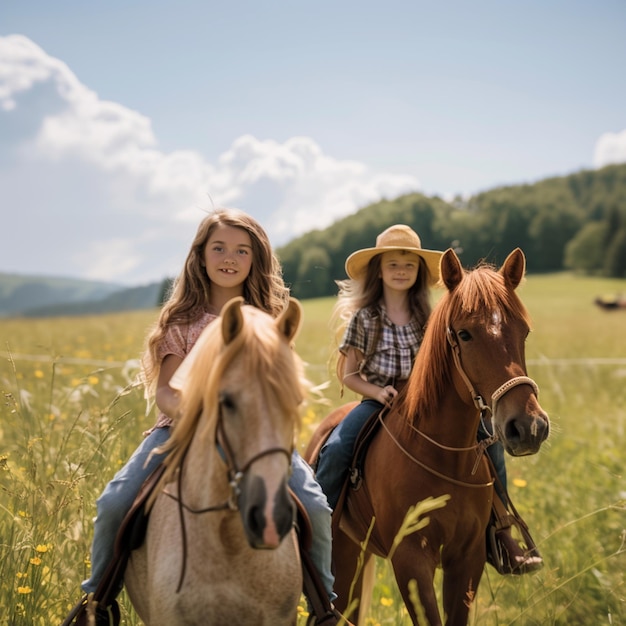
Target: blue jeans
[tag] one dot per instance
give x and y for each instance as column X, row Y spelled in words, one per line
column 336, row 454
column 119, row 495
column 309, row 492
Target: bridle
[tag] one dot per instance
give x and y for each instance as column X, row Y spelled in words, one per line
column 478, row 400
column 235, row 477
column 480, row 405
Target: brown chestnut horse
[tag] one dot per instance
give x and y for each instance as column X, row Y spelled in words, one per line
column 220, row 546
column 471, row 362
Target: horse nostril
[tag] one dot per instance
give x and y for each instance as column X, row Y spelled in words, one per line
column 255, row 521
column 512, row 432
column 284, row 512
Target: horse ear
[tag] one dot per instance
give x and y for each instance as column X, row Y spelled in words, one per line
column 289, row 321
column 450, row 269
column 513, row 268
column 232, row 319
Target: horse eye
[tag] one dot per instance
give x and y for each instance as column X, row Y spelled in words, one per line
column 464, row 335
column 227, row 402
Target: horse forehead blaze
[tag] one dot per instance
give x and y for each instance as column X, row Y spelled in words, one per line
column 495, row 326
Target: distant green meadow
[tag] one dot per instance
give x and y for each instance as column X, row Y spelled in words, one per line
column 71, row 416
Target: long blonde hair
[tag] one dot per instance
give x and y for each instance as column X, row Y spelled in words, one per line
column 189, row 296
column 366, row 292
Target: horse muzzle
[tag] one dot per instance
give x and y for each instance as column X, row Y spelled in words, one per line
column 267, row 517
column 523, row 427
column 523, row 434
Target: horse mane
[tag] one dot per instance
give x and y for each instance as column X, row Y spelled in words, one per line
column 262, row 353
column 481, row 291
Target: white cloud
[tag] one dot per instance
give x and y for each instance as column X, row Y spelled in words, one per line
column 610, row 148
column 116, row 257
column 89, row 174
column 305, row 188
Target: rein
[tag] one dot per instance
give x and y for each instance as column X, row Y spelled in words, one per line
column 235, row 476
column 433, row 471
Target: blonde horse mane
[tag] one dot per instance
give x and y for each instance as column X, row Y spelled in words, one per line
column 482, row 291
column 259, row 351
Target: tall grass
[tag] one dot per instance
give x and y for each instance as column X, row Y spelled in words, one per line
column 71, row 417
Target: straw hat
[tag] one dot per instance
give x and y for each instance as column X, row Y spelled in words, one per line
column 398, row 237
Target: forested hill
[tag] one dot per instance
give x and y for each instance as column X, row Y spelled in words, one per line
column 575, row 222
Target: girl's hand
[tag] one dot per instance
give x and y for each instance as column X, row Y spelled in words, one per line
column 386, row 395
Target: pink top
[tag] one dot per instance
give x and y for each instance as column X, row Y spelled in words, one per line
column 178, row 340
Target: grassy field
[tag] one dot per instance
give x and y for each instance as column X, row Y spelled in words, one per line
column 71, row 417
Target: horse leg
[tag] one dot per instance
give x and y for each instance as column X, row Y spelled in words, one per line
column 460, row 583
column 416, row 567
column 348, row 575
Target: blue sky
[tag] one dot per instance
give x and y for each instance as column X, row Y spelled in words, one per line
column 121, row 122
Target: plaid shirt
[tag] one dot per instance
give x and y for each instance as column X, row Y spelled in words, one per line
column 391, row 359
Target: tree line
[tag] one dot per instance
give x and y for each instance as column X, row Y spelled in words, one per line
column 575, row 222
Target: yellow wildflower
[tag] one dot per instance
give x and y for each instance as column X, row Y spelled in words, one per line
column 33, row 442
column 25, row 589
column 386, row 601
column 39, row 374
column 35, row 560
column 41, row 548
column 519, row 482
column 93, row 380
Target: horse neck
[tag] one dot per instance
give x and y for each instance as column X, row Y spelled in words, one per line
column 204, row 476
column 450, row 419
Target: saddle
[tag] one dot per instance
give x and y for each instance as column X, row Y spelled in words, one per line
column 100, row 608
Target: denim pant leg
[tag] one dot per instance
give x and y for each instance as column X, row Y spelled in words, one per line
column 496, row 454
column 308, row 491
column 115, row 501
column 336, row 454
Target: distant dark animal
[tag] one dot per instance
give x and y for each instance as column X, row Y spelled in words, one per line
column 611, row 303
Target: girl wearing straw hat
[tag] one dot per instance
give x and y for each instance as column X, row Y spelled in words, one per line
column 385, row 303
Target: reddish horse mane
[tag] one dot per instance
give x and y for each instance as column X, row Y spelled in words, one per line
column 482, row 291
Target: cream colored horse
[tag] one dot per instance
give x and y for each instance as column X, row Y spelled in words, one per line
column 220, row 547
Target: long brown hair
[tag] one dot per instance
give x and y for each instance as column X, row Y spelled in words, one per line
column 189, row 297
